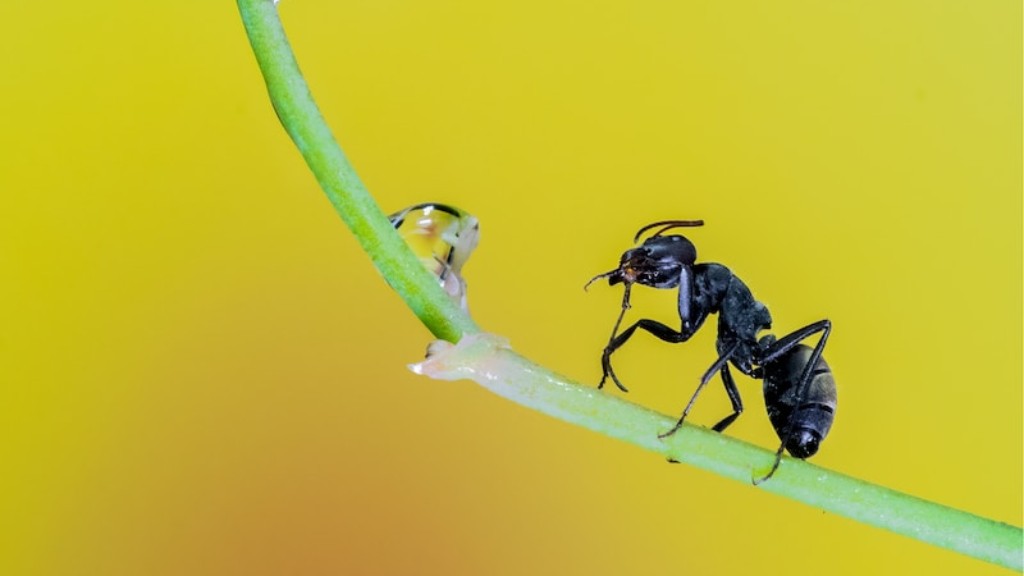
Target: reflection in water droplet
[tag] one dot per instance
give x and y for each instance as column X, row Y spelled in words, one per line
column 443, row 237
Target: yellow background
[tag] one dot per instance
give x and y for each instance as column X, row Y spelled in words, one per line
column 200, row 373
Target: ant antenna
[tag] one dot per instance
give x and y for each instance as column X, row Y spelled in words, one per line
column 666, row 226
column 599, row 277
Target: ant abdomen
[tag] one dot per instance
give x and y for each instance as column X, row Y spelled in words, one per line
column 802, row 427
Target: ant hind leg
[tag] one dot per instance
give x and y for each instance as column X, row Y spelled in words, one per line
column 775, row 351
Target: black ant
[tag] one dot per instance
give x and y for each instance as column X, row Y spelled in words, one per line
column 799, row 391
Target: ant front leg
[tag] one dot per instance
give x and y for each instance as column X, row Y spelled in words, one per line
column 606, row 365
column 661, row 331
column 656, row 328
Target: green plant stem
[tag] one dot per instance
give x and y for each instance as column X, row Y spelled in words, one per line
column 487, row 360
column 301, row 118
column 484, row 359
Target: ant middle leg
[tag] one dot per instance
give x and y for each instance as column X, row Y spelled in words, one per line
column 720, row 365
column 734, row 397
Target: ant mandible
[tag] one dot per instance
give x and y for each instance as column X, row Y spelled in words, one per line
column 799, row 391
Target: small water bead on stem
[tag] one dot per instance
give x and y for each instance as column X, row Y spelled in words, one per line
column 443, row 237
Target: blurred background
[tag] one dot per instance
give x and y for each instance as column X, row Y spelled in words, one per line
column 200, row 372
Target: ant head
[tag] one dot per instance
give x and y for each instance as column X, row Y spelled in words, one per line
column 658, row 261
column 661, row 251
